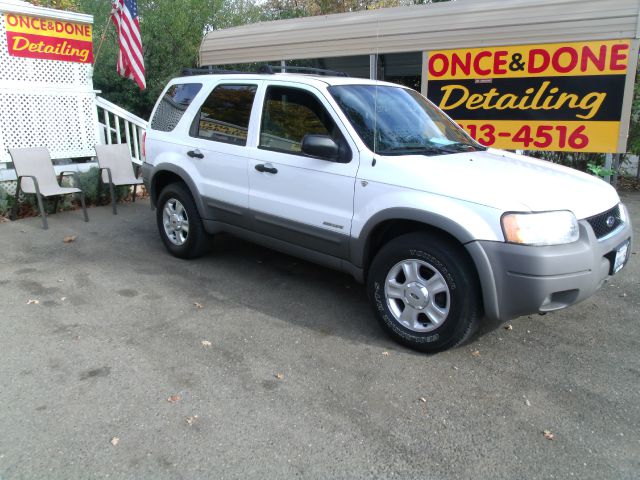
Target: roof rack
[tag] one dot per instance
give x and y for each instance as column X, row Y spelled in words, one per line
column 207, row 71
column 292, row 69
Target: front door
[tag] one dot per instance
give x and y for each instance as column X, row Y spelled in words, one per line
column 294, row 197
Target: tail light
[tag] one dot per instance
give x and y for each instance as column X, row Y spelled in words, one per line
column 143, row 147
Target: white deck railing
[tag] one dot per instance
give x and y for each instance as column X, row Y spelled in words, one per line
column 119, row 126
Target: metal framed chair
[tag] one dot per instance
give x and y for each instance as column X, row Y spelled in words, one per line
column 116, row 169
column 36, row 176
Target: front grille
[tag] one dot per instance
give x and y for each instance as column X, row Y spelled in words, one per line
column 599, row 222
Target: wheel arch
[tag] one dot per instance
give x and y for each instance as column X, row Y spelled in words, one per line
column 392, row 223
column 167, row 173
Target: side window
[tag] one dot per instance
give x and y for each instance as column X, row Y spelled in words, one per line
column 224, row 115
column 173, row 105
column 288, row 115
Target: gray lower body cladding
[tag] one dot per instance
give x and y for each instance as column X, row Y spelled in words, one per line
column 146, row 172
column 515, row 279
column 520, row 280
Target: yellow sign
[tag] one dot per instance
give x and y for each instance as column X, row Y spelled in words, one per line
column 35, row 37
column 565, row 97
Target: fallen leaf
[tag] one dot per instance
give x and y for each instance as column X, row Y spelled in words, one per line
column 279, row 376
column 174, row 398
column 205, row 343
column 423, row 400
column 386, row 354
column 475, row 353
column 199, row 306
column 69, row 239
column 508, row 327
column 33, row 302
column 115, row 441
column 548, row 435
column 191, row 420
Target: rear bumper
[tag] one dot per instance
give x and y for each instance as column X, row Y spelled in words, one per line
column 147, row 171
column 520, row 280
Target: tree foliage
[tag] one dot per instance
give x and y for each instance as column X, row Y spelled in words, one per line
column 633, row 145
column 171, row 35
column 71, row 5
column 282, row 9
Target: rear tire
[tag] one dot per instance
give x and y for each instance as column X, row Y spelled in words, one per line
column 179, row 223
column 425, row 292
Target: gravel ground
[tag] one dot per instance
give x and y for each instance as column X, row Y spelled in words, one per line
column 107, row 337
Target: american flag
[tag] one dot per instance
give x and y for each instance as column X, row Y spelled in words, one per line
column 130, row 62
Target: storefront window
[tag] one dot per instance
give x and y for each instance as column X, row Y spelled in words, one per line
column 401, row 68
column 354, row 66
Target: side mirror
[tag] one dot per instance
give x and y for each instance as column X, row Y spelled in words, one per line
column 321, row 146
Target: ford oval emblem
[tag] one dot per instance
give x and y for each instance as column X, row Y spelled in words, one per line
column 610, row 221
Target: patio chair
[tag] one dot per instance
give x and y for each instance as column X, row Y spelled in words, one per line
column 36, row 176
column 116, row 169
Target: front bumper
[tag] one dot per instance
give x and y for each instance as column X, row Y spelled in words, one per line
column 520, row 280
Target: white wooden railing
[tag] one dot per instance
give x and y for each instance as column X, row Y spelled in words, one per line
column 119, row 126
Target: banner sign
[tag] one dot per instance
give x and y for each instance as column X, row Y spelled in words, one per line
column 564, row 97
column 36, row 37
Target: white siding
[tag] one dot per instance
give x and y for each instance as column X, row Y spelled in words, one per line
column 459, row 24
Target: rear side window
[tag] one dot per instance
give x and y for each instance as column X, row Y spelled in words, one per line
column 224, row 115
column 173, row 105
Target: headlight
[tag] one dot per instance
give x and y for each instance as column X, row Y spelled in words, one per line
column 548, row 228
column 624, row 217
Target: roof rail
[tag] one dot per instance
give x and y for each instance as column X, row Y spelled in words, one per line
column 268, row 69
column 207, row 71
column 292, row 69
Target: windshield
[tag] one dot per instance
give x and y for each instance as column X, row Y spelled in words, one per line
column 398, row 121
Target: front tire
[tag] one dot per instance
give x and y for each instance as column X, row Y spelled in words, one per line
column 179, row 223
column 425, row 292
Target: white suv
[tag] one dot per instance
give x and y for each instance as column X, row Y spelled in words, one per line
column 372, row 179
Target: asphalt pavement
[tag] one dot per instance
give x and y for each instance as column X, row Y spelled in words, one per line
column 120, row 361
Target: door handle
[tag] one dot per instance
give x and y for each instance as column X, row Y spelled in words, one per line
column 195, row 154
column 263, row 168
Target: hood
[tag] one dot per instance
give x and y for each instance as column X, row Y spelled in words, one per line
column 498, row 179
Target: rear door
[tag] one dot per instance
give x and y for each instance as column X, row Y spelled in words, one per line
column 302, row 200
column 218, row 139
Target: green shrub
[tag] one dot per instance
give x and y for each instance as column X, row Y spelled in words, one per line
column 578, row 160
column 88, row 182
column 6, row 202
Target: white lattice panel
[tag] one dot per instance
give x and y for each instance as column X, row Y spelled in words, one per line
column 45, row 103
column 61, row 122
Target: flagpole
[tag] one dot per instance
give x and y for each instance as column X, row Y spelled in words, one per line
column 102, row 37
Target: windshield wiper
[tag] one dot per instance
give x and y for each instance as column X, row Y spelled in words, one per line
column 466, row 147
column 433, row 149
